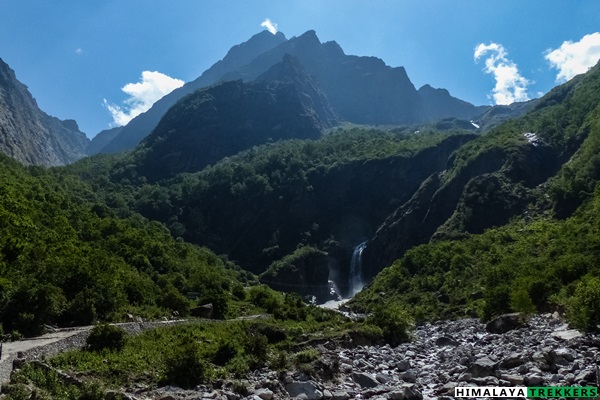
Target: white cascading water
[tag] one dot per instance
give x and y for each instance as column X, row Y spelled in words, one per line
column 355, row 279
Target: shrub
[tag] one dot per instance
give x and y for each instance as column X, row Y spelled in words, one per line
column 263, row 297
column 583, row 309
column 219, row 301
column 185, row 366
column 256, row 345
column 226, row 351
column 394, row 322
column 105, row 336
column 306, row 356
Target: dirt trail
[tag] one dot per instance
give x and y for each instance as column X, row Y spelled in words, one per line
column 59, row 341
column 10, row 349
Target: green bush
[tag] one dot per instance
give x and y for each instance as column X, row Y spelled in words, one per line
column 185, row 366
column 394, row 322
column 105, row 336
column 226, row 351
column 263, row 297
column 256, row 346
column 583, row 309
column 306, row 356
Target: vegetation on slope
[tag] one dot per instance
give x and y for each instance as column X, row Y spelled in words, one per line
column 260, row 205
column 528, row 266
column 545, row 258
column 68, row 259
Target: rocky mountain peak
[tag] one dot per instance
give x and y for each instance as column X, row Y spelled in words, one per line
column 30, row 135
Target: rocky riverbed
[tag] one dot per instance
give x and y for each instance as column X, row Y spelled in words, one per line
column 541, row 351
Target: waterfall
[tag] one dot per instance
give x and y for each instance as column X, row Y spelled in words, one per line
column 355, row 278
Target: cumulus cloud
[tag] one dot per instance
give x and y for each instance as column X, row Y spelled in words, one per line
column 78, row 50
column 510, row 86
column 271, row 26
column 574, row 58
column 142, row 95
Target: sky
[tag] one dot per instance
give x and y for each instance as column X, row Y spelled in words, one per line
column 102, row 62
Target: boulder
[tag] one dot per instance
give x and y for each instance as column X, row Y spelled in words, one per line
column 383, row 378
column 364, row 380
column 482, row 367
column 567, row 334
column 411, row 393
column 513, row 360
column 409, row 376
column 534, row 380
column 566, row 353
column 446, row 341
column 396, row 395
column 307, row 390
column 204, row 311
column 264, row 394
column 403, row 365
column 505, row 323
column 340, row 395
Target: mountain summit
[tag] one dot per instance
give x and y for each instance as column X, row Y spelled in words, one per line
column 224, row 119
column 362, row 90
column 141, row 126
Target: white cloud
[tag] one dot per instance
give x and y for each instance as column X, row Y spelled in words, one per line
column 78, row 50
column 142, row 95
column 574, row 58
column 271, row 26
column 510, row 86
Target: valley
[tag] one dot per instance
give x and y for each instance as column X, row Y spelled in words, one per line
column 291, row 175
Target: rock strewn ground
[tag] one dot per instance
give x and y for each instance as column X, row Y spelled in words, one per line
column 443, row 355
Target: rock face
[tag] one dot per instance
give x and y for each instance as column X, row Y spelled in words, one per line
column 305, row 272
column 30, row 135
column 347, row 202
column 233, row 116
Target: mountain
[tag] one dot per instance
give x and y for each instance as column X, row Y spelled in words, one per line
column 30, row 135
column 141, row 126
column 439, row 104
column 498, row 114
column 102, row 139
column 496, row 177
column 222, row 120
column 362, row 90
column 510, row 226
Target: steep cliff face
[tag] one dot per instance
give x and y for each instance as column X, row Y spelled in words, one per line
column 233, row 116
column 310, row 94
column 306, row 271
column 30, row 135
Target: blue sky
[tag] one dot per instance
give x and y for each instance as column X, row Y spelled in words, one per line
column 76, row 56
